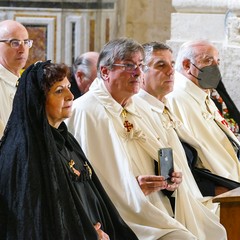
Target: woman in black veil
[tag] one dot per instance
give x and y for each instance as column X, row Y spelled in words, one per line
column 48, row 189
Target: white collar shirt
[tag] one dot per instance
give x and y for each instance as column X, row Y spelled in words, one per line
column 8, row 89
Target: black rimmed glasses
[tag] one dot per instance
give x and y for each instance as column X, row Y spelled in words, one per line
column 15, row 43
column 129, row 67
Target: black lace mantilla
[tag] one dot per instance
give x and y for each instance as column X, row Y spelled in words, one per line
column 77, row 166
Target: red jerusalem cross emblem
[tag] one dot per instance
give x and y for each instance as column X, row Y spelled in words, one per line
column 128, row 125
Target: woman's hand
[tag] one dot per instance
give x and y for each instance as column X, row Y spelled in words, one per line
column 151, row 183
column 176, row 180
column 101, row 234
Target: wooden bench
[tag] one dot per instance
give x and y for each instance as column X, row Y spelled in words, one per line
column 230, row 212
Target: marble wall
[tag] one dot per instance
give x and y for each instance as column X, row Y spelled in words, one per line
column 62, row 30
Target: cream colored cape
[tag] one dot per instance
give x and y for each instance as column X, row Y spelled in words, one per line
column 187, row 101
column 7, row 91
column 119, row 156
column 172, row 130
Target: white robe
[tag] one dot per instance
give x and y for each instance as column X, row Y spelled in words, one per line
column 7, row 91
column 172, row 130
column 187, row 101
column 119, row 156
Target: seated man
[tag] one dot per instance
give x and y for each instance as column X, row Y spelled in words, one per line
column 158, row 82
column 117, row 135
column 198, row 73
column 84, row 71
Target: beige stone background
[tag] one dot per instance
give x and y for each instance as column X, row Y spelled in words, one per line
column 144, row 20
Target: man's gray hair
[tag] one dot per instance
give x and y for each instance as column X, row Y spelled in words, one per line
column 189, row 50
column 118, row 50
column 83, row 64
column 151, row 47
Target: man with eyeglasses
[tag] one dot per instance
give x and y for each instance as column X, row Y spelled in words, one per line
column 196, row 74
column 117, row 135
column 14, row 49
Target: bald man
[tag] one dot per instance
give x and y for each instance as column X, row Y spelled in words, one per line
column 84, row 72
column 14, row 49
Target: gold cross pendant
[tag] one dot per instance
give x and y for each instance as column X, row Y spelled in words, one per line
column 71, row 163
column 124, row 113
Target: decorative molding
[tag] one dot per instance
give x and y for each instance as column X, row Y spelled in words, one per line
column 200, row 6
column 63, row 5
column 76, row 37
column 69, row 32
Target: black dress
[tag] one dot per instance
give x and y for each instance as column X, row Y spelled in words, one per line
column 86, row 187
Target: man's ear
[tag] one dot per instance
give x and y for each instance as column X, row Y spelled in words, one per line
column 104, row 72
column 186, row 64
column 79, row 75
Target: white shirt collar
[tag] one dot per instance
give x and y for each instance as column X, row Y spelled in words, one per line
column 8, row 76
column 98, row 88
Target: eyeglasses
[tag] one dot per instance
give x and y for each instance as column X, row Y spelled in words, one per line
column 15, row 43
column 129, row 67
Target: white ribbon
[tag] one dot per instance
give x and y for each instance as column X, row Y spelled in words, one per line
column 133, row 135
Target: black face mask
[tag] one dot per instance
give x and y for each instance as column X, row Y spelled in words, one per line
column 208, row 77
